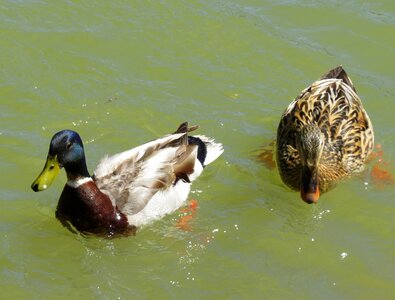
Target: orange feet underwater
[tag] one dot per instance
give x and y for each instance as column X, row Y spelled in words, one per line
column 266, row 155
column 379, row 175
column 187, row 215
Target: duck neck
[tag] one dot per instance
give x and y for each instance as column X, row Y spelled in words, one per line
column 77, row 170
column 310, row 143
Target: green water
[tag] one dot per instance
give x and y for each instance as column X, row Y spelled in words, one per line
column 125, row 72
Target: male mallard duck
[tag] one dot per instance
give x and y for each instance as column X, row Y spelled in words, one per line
column 128, row 189
column 324, row 135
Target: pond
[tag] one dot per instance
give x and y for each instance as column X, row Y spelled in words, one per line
column 123, row 73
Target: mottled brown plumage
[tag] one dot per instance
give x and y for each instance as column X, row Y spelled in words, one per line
column 324, row 135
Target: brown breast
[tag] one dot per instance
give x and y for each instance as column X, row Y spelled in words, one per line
column 91, row 211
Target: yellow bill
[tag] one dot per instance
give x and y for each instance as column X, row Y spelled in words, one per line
column 48, row 174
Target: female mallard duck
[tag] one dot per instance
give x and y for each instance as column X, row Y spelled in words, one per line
column 128, row 189
column 324, row 135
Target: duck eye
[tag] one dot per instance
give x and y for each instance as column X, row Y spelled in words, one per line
column 68, row 146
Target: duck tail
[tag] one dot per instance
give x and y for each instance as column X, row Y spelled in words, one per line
column 183, row 128
column 209, row 150
column 339, row 73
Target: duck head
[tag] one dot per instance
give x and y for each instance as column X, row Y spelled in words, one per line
column 310, row 144
column 65, row 150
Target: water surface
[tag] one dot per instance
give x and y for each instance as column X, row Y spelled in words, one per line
column 122, row 73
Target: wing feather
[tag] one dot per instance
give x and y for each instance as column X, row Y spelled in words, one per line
column 133, row 177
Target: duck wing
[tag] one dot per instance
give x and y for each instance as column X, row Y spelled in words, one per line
column 133, row 177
